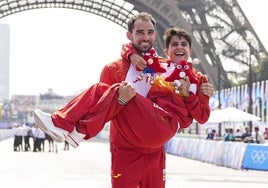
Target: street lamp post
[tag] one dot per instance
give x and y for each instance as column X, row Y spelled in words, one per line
column 218, row 53
column 250, row 85
column 219, row 86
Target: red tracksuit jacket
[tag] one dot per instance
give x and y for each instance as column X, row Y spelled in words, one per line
column 148, row 124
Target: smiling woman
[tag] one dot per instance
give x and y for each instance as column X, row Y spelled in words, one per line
column 61, row 49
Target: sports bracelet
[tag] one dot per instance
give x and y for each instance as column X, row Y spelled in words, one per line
column 121, row 101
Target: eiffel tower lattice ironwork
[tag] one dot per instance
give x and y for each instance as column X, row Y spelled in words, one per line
column 219, row 28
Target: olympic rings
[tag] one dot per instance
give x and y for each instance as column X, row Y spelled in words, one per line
column 259, row 156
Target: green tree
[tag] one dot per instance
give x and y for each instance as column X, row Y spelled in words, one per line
column 261, row 70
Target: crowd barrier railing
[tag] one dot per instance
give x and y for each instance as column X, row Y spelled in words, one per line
column 237, row 155
column 6, row 133
column 256, row 157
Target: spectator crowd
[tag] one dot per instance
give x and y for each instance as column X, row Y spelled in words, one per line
column 246, row 136
column 32, row 138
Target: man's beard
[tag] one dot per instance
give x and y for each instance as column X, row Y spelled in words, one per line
column 140, row 49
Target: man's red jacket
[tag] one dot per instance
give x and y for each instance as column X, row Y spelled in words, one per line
column 145, row 122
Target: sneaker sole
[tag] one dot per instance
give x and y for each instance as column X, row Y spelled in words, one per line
column 41, row 125
column 71, row 141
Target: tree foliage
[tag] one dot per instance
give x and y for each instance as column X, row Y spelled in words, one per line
column 261, row 70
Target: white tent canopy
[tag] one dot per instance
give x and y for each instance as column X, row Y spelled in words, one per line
column 231, row 114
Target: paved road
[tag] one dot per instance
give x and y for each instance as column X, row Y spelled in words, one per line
column 89, row 166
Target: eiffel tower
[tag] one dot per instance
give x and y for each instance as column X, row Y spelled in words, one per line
column 219, row 28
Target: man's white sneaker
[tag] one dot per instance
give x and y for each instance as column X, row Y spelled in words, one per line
column 44, row 122
column 74, row 138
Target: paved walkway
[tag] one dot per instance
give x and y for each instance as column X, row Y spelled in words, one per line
column 89, row 166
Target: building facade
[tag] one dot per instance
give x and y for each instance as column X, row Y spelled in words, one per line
column 4, row 61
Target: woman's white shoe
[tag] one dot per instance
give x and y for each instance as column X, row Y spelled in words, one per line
column 44, row 122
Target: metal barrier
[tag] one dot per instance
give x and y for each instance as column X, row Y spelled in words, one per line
column 256, row 157
column 6, row 133
column 237, row 155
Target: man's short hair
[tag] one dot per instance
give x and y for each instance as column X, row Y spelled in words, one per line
column 145, row 16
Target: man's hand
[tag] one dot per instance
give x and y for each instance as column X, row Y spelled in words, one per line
column 207, row 89
column 138, row 61
column 126, row 91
